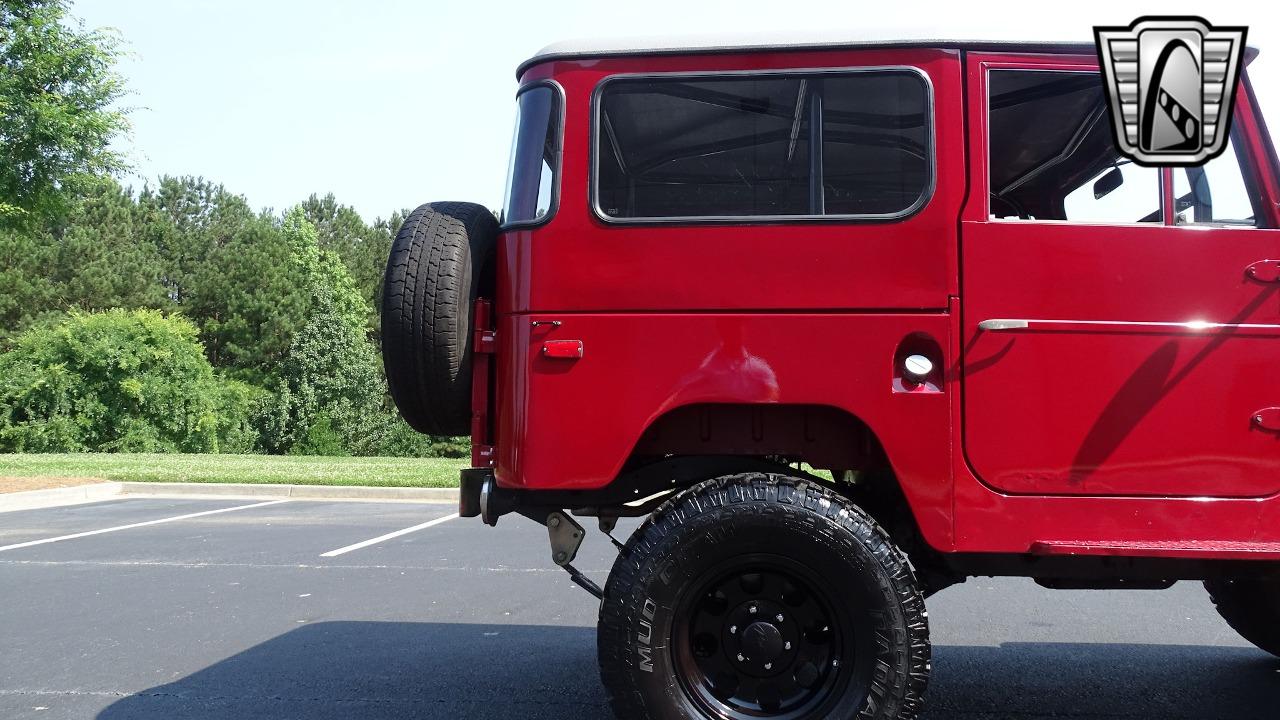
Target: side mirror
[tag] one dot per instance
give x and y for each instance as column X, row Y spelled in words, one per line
column 1108, row 183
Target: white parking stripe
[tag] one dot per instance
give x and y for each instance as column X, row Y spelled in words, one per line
column 141, row 524
column 388, row 536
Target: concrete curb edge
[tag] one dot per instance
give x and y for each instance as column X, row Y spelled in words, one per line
column 97, row 492
column 54, row 497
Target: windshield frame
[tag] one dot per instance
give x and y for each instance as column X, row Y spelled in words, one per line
column 558, row 118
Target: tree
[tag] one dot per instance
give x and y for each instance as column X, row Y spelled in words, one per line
column 99, row 255
column 118, row 381
column 230, row 271
column 26, row 290
column 362, row 248
column 331, row 382
column 189, row 218
column 104, row 257
column 58, row 88
column 249, row 301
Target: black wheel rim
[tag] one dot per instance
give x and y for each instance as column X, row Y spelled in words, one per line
column 759, row 639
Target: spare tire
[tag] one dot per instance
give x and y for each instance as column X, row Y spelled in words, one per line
column 434, row 274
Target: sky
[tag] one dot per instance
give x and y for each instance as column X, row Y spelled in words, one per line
column 388, row 104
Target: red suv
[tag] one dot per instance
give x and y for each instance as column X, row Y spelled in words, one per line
column 850, row 323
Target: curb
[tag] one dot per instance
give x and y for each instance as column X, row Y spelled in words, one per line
column 54, row 497
column 97, row 492
column 298, row 492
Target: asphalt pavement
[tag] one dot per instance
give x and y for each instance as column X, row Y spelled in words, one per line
column 145, row 608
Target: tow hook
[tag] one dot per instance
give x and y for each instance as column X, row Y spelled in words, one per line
column 566, row 537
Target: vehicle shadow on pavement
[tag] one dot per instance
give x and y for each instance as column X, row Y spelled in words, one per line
column 383, row 670
column 1102, row 680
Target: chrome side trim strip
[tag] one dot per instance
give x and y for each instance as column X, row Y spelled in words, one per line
column 1002, row 324
column 1192, row 326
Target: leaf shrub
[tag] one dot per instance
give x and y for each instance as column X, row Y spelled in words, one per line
column 118, row 381
column 397, row 439
column 321, row 439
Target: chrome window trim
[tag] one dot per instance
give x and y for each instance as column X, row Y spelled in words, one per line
column 926, row 194
column 556, row 171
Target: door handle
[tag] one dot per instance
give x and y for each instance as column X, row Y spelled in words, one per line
column 1267, row 271
column 1268, row 419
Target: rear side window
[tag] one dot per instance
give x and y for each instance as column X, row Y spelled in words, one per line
column 763, row 146
column 535, row 157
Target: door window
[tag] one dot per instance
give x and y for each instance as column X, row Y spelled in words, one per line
column 1052, row 155
column 1214, row 192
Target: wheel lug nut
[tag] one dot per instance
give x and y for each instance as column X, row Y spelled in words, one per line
column 768, row 666
column 779, row 617
column 786, row 645
column 741, row 658
column 752, row 609
column 733, row 629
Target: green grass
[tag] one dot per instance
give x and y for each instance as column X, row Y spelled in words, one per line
column 300, row 470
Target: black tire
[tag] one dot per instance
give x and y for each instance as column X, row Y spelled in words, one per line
column 1251, row 606
column 434, row 274
column 777, row 549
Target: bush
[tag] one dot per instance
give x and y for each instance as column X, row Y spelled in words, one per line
column 321, row 439
column 118, row 381
column 235, row 430
column 397, row 439
column 447, row 447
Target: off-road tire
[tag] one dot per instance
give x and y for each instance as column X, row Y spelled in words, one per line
column 434, row 275
column 1251, row 606
column 762, row 516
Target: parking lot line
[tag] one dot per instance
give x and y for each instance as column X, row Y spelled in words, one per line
column 388, row 536
column 139, row 524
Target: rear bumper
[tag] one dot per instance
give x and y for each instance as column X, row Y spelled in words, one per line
column 480, row 496
column 470, row 486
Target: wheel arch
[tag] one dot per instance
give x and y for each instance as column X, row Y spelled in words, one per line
column 825, row 443
column 692, row 443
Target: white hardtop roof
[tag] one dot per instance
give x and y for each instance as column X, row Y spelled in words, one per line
column 1074, row 40
column 807, row 40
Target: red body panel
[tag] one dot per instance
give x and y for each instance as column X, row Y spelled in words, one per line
column 577, row 263
column 1102, row 409
column 571, row 425
column 1068, row 440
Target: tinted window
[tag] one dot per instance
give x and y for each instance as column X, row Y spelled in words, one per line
column 1053, row 156
column 875, row 143
column 535, row 156
column 739, row 146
